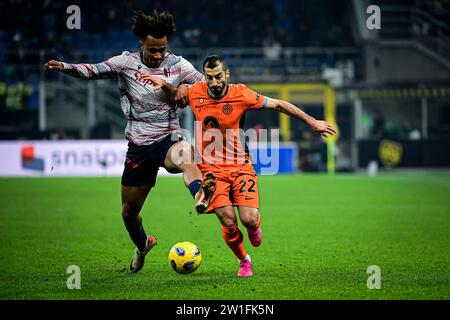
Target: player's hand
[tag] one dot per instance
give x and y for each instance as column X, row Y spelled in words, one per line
column 181, row 97
column 322, row 127
column 53, row 65
column 157, row 82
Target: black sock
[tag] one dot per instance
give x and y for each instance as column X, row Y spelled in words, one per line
column 194, row 186
column 139, row 238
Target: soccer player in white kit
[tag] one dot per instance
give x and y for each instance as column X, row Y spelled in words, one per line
column 153, row 129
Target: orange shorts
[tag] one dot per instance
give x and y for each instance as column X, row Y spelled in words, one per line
column 235, row 188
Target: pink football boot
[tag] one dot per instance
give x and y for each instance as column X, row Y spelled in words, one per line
column 245, row 268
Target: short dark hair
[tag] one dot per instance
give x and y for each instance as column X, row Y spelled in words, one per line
column 213, row 60
column 157, row 25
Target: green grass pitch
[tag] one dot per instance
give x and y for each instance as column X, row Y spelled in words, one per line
column 320, row 235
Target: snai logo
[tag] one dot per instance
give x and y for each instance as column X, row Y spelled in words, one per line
column 29, row 161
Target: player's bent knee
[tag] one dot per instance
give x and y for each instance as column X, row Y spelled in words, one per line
column 249, row 217
column 181, row 155
column 228, row 222
column 250, row 223
column 186, row 148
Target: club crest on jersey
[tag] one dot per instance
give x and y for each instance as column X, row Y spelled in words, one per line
column 227, row 109
column 201, row 100
column 166, row 72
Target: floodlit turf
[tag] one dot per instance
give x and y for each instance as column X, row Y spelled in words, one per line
column 320, row 235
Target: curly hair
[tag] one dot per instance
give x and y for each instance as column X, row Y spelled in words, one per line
column 157, row 25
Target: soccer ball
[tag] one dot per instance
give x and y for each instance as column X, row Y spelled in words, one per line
column 185, row 257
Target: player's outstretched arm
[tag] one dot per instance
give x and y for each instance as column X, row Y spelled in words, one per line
column 319, row 126
column 104, row 70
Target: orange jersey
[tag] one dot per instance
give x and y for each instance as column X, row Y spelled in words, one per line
column 218, row 141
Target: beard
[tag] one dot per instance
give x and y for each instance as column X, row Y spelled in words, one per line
column 218, row 91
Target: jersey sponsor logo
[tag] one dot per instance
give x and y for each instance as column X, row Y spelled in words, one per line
column 227, row 109
column 258, row 96
column 211, row 122
column 138, row 78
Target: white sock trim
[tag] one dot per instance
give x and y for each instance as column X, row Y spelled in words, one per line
column 246, row 258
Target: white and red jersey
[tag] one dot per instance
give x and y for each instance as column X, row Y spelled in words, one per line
column 151, row 116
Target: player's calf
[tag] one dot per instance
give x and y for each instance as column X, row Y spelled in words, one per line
column 255, row 233
column 251, row 219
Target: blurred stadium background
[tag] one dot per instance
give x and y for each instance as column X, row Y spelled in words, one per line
column 388, row 89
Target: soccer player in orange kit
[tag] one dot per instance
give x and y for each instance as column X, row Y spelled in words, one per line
column 218, row 108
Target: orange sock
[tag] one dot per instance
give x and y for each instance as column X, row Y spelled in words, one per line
column 235, row 240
